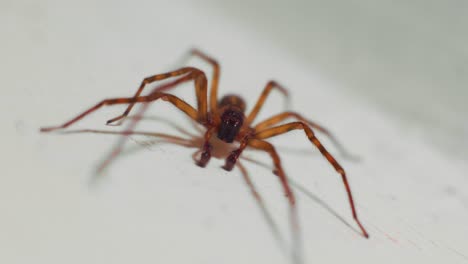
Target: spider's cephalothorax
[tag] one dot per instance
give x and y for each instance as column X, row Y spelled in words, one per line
column 232, row 117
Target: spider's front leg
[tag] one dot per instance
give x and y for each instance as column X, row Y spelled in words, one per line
column 189, row 72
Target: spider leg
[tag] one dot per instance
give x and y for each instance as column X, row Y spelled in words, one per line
column 261, row 204
column 285, row 115
column 165, row 137
column 214, row 78
column 200, row 87
column 278, row 130
column 179, row 103
column 270, row 149
column 267, row 147
column 261, row 100
column 190, row 71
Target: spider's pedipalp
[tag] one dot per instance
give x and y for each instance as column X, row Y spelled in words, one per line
column 231, row 160
column 206, row 148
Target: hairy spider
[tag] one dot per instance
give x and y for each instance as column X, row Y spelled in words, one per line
column 227, row 119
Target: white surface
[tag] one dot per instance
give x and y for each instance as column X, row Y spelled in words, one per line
column 154, row 205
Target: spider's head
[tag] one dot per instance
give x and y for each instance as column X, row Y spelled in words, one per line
column 231, row 122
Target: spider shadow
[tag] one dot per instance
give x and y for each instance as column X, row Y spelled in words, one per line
column 194, row 142
column 310, row 195
column 219, row 151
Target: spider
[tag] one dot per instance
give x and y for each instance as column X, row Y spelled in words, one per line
column 226, row 118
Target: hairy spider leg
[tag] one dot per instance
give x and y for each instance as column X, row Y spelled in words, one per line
column 285, row 115
column 270, row 149
column 278, row 130
column 214, row 78
column 201, row 98
column 213, row 103
column 268, row 218
column 166, row 137
column 233, row 157
column 261, row 100
column 183, row 106
column 200, row 115
column 193, row 72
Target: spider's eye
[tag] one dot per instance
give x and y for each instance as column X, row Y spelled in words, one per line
column 231, row 122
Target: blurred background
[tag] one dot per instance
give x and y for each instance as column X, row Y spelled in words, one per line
column 390, row 78
column 409, row 58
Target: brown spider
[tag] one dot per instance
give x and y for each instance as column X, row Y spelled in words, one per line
column 227, row 119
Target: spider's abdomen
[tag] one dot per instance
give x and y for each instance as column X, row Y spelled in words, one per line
column 231, row 122
column 232, row 100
